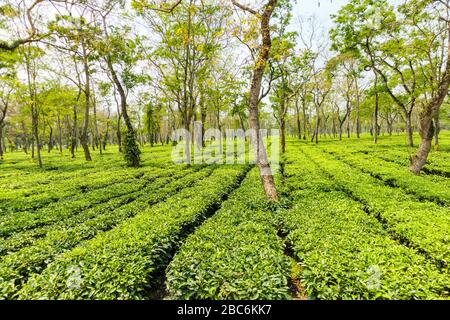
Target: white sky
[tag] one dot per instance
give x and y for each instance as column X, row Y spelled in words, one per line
column 320, row 8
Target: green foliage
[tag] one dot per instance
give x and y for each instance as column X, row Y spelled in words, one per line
column 234, row 255
column 44, row 244
column 424, row 225
column 129, row 256
column 131, row 151
column 347, row 253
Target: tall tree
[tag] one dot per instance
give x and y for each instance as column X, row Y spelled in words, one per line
column 439, row 91
column 255, row 91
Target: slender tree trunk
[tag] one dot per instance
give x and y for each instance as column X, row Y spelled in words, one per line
column 74, row 131
column 24, row 138
column 409, row 130
column 389, row 124
column 437, row 126
column 203, row 118
column 50, row 140
column 315, row 136
column 31, row 76
column 283, row 134
column 1, row 141
column 358, row 116
column 87, row 94
column 132, row 152
column 119, row 132
column 60, row 133
column 299, row 126
column 375, row 114
column 305, row 124
column 348, row 127
column 36, row 132
column 97, row 139
column 2, row 125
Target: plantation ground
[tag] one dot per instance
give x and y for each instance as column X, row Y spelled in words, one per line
column 353, row 223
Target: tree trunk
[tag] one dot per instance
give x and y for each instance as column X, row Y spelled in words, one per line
column 50, row 140
column 375, row 114
column 430, row 111
column 283, row 134
column 299, row 126
column 132, row 152
column 97, row 139
column 255, row 90
column 437, row 130
column 316, row 131
column 87, row 94
column 31, row 76
column 119, row 132
column 74, row 132
column 60, row 134
column 409, row 131
column 358, row 116
column 203, row 118
column 420, row 159
column 1, row 141
column 36, row 132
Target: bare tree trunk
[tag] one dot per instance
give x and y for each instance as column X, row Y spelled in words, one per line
column 315, row 136
column 437, row 126
column 36, row 131
column 297, row 115
column 255, row 90
column 2, row 125
column 31, row 76
column 50, row 140
column 1, row 141
column 283, row 134
column 304, row 118
column 87, row 93
column 375, row 114
column 348, row 127
column 74, row 131
column 98, row 138
column 358, row 116
column 409, row 131
column 60, row 133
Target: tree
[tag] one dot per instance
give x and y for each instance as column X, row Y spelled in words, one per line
column 119, row 50
column 431, row 108
column 373, row 32
column 9, row 11
column 255, row 91
column 283, row 68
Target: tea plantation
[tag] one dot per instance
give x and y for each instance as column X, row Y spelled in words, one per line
column 352, row 223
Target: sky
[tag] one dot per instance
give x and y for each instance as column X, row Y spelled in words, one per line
column 320, row 8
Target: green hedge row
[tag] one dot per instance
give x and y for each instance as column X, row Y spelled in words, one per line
column 123, row 263
column 22, row 239
column 24, row 220
column 70, row 189
column 432, row 188
column 234, row 255
column 346, row 253
column 424, row 225
column 18, row 266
